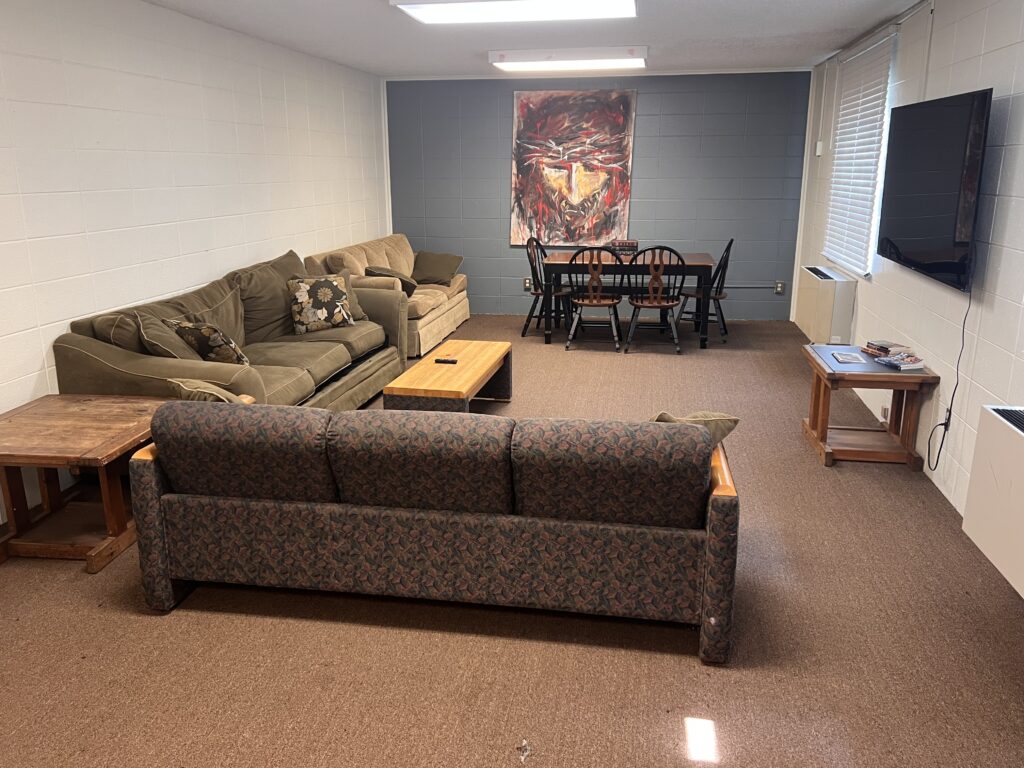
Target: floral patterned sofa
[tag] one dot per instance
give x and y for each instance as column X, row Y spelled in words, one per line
column 614, row 518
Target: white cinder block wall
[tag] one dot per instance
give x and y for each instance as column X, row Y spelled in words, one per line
column 143, row 152
column 964, row 45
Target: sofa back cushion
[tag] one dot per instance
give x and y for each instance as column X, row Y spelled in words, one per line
column 245, row 451
column 400, row 255
column 422, row 460
column 217, row 302
column 265, row 297
column 611, row 471
column 393, row 251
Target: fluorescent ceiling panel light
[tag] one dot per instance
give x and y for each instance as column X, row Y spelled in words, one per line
column 489, row 11
column 570, row 59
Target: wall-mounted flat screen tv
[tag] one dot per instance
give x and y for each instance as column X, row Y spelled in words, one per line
column 932, row 176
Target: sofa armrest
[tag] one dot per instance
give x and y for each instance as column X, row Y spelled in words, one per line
column 390, row 309
column 148, row 484
column 723, row 518
column 89, row 366
column 376, row 281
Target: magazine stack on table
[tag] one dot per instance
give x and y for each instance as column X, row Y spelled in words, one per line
column 894, row 355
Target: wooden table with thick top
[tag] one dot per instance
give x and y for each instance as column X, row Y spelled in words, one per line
column 893, row 444
column 483, row 369
column 75, row 432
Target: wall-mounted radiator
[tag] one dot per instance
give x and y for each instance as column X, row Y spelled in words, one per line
column 824, row 309
column 994, row 515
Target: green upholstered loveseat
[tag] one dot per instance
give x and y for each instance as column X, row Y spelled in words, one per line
column 613, row 518
column 337, row 368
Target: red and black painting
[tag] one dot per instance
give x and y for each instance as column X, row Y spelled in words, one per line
column 571, row 157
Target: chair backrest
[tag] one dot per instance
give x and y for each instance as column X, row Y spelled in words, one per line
column 598, row 278
column 537, row 256
column 718, row 278
column 657, row 284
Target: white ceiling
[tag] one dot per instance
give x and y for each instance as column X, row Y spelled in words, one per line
column 683, row 35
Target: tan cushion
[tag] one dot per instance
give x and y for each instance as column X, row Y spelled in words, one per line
column 399, row 253
column 201, row 391
column 423, row 300
column 718, row 424
column 265, row 298
column 226, row 314
column 365, row 336
column 161, row 341
column 321, row 360
column 376, row 256
column 459, row 285
column 285, row 386
column 352, row 258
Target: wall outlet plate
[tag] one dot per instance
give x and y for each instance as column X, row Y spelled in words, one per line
column 527, row 284
column 780, row 287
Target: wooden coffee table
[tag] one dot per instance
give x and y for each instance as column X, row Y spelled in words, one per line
column 484, row 369
column 75, row 432
column 895, row 444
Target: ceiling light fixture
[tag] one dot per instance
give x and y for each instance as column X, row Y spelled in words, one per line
column 486, row 11
column 570, row 59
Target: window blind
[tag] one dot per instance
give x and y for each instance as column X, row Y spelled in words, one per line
column 858, row 148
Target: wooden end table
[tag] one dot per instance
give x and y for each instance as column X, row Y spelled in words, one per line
column 484, row 369
column 71, row 432
column 893, row 444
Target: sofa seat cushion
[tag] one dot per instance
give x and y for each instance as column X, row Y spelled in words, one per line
column 321, row 360
column 285, row 385
column 459, row 285
column 365, row 336
column 423, row 460
column 245, row 451
column 424, row 299
column 612, row 471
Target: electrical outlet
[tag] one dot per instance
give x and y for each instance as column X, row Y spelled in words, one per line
column 780, row 287
column 527, row 284
column 885, row 413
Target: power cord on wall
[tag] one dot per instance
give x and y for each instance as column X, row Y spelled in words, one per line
column 945, row 423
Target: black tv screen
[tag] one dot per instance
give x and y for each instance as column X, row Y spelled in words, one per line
column 932, row 177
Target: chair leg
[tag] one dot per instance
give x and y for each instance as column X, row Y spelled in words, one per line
column 529, row 315
column 614, row 321
column 575, row 323
column 722, row 327
column 632, row 328
column 675, row 331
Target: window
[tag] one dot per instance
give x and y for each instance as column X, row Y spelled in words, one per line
column 858, row 151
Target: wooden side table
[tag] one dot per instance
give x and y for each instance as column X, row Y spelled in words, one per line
column 894, row 444
column 71, row 432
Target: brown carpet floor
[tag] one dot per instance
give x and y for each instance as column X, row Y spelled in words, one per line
column 869, row 630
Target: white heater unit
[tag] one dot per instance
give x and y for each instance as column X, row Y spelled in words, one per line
column 994, row 515
column 824, row 308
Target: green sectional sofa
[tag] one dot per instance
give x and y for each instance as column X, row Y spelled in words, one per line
column 132, row 352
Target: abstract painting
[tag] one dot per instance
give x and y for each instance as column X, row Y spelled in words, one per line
column 571, row 158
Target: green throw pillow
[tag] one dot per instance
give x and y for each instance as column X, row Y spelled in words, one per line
column 204, row 391
column 319, row 303
column 718, row 424
column 160, row 340
column 435, row 268
column 209, row 342
column 408, row 283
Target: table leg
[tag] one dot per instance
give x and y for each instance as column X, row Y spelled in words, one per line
column 820, row 427
column 705, row 310
column 499, row 387
column 15, row 502
column 115, row 508
column 545, row 308
column 896, row 413
column 812, row 416
column 49, row 490
column 908, row 430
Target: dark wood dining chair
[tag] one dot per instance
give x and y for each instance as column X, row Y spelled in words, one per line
column 718, row 293
column 656, row 288
column 596, row 288
column 559, row 296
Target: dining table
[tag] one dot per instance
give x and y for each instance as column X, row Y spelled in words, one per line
column 699, row 265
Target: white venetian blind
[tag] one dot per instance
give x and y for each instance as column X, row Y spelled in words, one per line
column 861, row 116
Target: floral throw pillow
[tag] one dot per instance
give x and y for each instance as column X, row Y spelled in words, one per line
column 209, row 342
column 319, row 303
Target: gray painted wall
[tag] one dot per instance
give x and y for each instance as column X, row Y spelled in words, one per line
column 714, row 157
